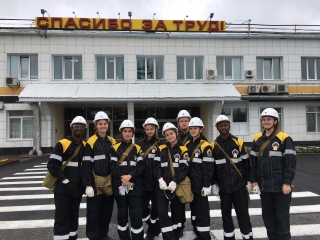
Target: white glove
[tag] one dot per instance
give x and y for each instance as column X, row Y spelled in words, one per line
column 89, row 191
column 256, row 190
column 172, row 186
column 249, row 187
column 65, row 181
column 162, row 184
column 215, row 189
column 206, row 191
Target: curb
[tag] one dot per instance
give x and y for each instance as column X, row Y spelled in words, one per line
column 9, row 162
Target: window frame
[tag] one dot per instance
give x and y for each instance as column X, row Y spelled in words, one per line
column 316, row 70
column 237, row 125
column 21, row 117
column 19, row 70
column 106, row 57
column 155, row 71
column 232, row 66
column 193, row 67
column 272, row 68
column 317, row 115
column 63, row 68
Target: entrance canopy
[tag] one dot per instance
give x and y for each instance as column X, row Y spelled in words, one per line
column 123, row 92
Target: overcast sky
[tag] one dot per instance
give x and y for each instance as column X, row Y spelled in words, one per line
column 234, row 11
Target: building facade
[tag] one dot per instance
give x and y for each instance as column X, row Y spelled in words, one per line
column 46, row 79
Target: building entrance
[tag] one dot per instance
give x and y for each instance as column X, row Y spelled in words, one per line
column 117, row 114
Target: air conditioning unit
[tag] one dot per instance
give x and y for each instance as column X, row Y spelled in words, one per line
column 282, row 88
column 12, row 82
column 254, row 89
column 249, row 73
column 268, row 89
column 211, row 73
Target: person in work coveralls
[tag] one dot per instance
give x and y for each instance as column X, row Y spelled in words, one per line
column 183, row 120
column 200, row 174
column 127, row 183
column 69, row 189
column 274, row 160
column 149, row 146
column 231, row 183
column 171, row 227
column 97, row 158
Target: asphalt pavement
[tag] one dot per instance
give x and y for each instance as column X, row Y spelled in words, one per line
column 27, row 209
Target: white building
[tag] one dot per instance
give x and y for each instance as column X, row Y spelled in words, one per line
column 136, row 75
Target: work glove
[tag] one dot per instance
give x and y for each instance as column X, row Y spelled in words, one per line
column 65, row 181
column 256, row 190
column 206, row 191
column 172, row 186
column 249, row 187
column 162, row 184
column 89, row 191
column 215, row 189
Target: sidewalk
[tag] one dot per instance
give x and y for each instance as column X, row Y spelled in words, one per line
column 15, row 158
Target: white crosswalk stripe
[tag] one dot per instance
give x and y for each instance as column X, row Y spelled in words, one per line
column 24, row 181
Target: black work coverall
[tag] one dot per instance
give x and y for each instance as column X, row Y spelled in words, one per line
column 232, row 186
column 150, row 216
column 67, row 197
column 99, row 208
column 171, row 227
column 200, row 174
column 133, row 165
column 277, row 166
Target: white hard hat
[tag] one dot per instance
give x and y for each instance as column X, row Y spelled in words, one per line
column 183, row 113
column 126, row 124
column 222, row 118
column 168, row 126
column 78, row 119
column 101, row 115
column 196, row 122
column 270, row 112
column 151, row 121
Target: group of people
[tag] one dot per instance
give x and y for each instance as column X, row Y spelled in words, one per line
column 149, row 171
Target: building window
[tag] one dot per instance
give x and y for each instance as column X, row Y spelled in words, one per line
column 67, row 67
column 279, row 110
column 239, row 119
column 21, row 124
column 110, row 67
column 269, row 68
column 189, row 68
column 229, row 68
column 310, row 68
column 150, row 67
column 23, row 66
column 313, row 119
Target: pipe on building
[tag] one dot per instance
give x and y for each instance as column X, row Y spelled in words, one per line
column 36, row 132
column 281, row 97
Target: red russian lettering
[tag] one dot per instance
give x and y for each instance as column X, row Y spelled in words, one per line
column 97, row 24
column 56, row 19
column 40, row 19
column 201, row 26
column 112, row 23
column 147, row 24
column 189, row 24
column 126, row 24
column 70, row 23
column 161, row 24
column 215, row 28
column 177, row 22
column 84, row 20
